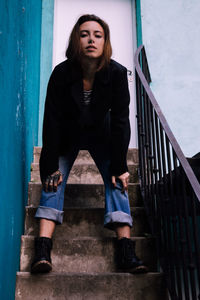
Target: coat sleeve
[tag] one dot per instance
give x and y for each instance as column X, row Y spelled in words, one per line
column 120, row 125
column 51, row 130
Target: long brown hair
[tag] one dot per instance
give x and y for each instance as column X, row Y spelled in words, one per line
column 74, row 50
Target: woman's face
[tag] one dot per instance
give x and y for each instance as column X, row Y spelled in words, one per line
column 91, row 39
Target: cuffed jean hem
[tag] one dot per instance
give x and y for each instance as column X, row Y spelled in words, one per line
column 111, row 219
column 49, row 213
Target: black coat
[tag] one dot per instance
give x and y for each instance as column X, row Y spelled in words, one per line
column 63, row 113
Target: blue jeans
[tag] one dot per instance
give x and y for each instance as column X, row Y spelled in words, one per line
column 117, row 209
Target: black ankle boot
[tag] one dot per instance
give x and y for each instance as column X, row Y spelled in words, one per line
column 42, row 260
column 126, row 259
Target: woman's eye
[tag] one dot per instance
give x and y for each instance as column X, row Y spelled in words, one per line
column 83, row 34
column 98, row 36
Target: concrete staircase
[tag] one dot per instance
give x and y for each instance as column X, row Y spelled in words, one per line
column 83, row 251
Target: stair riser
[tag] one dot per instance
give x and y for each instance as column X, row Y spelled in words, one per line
column 84, row 156
column 90, row 287
column 83, row 195
column 83, row 222
column 85, row 255
column 84, row 174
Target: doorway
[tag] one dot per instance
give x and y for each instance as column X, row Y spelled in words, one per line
column 121, row 18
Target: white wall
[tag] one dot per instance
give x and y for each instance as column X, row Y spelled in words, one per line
column 171, row 35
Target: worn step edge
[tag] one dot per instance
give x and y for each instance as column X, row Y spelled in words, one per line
column 82, row 286
column 35, row 166
column 87, row 174
column 86, row 254
column 91, row 195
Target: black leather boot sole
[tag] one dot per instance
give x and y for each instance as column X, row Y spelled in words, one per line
column 134, row 270
column 42, row 266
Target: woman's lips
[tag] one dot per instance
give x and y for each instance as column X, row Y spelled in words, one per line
column 91, row 48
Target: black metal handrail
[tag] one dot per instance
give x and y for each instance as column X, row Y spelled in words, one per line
column 170, row 190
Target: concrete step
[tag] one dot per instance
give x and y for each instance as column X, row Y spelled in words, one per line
column 84, row 173
column 79, row 222
column 83, row 195
column 84, row 286
column 86, row 254
column 85, row 157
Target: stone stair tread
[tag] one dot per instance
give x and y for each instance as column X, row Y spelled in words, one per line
column 35, row 165
column 86, row 222
column 83, row 184
column 148, row 274
column 71, row 274
column 82, row 195
column 95, row 274
column 80, row 209
column 86, row 238
column 90, row 286
column 89, row 208
column 86, row 254
column 86, row 173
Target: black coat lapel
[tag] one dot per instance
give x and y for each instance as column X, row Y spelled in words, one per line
column 76, row 83
column 77, row 92
column 101, row 88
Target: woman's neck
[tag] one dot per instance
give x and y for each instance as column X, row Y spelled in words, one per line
column 89, row 68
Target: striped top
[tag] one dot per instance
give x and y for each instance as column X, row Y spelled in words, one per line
column 87, row 96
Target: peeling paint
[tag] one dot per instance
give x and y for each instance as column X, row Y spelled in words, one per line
column 18, row 114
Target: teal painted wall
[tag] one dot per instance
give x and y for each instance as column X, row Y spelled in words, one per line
column 46, row 57
column 20, row 23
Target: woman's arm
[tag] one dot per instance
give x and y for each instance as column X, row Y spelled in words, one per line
column 120, row 125
column 51, row 130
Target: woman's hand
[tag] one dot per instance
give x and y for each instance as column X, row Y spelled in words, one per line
column 124, row 179
column 51, row 183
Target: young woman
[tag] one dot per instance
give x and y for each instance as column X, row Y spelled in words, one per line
column 87, row 107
